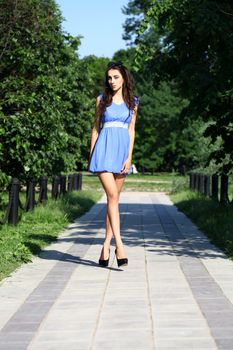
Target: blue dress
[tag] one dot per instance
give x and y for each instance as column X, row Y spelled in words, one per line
column 112, row 145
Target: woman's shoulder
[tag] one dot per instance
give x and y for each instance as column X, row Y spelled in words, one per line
column 136, row 99
column 100, row 96
column 98, row 99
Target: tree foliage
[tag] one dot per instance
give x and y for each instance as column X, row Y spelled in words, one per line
column 46, row 104
column 47, row 94
column 197, row 52
column 96, row 67
column 165, row 140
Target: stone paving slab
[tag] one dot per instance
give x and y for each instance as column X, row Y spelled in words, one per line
column 176, row 292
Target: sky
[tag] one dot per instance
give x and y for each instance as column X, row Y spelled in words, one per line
column 98, row 21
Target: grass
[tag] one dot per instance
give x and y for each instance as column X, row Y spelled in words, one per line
column 39, row 228
column 215, row 220
column 230, row 192
column 137, row 182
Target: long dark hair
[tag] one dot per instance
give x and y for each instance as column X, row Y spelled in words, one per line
column 127, row 88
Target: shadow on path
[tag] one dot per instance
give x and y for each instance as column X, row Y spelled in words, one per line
column 148, row 225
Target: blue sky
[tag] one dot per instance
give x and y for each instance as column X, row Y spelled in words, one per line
column 98, row 21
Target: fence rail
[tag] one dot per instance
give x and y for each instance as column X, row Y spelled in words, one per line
column 60, row 186
column 214, row 186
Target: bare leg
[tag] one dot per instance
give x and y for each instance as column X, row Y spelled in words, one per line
column 108, row 238
column 112, row 184
column 119, row 179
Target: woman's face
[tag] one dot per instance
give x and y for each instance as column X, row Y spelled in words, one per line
column 115, row 79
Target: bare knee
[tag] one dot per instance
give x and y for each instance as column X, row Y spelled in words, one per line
column 113, row 197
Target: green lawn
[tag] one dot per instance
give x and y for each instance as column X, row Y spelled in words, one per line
column 135, row 182
column 215, row 220
column 40, row 227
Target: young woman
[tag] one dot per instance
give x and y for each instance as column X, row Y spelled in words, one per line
column 112, row 142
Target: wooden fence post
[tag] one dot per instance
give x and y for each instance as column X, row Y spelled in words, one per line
column 55, row 186
column 214, row 190
column 43, row 189
column 80, row 177
column 13, row 206
column 224, row 189
column 70, row 183
column 207, row 185
column 75, row 182
column 202, row 183
column 30, row 197
column 62, row 185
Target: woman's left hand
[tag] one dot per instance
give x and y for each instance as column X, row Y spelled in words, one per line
column 126, row 166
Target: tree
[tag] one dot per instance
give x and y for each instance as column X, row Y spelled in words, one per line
column 198, row 52
column 165, row 140
column 96, row 67
column 45, row 100
column 134, row 10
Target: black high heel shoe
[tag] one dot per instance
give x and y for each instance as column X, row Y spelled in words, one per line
column 121, row 262
column 103, row 262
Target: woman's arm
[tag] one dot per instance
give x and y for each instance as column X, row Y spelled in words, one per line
column 96, row 126
column 131, row 129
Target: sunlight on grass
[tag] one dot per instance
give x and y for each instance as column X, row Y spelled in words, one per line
column 212, row 218
column 137, row 182
column 40, row 227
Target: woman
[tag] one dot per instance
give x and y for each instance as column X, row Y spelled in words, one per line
column 112, row 142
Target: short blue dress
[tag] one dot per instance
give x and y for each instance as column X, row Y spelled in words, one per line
column 112, row 145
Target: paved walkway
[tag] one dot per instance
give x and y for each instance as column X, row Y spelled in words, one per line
column 176, row 293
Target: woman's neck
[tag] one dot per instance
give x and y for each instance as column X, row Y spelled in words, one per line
column 117, row 96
